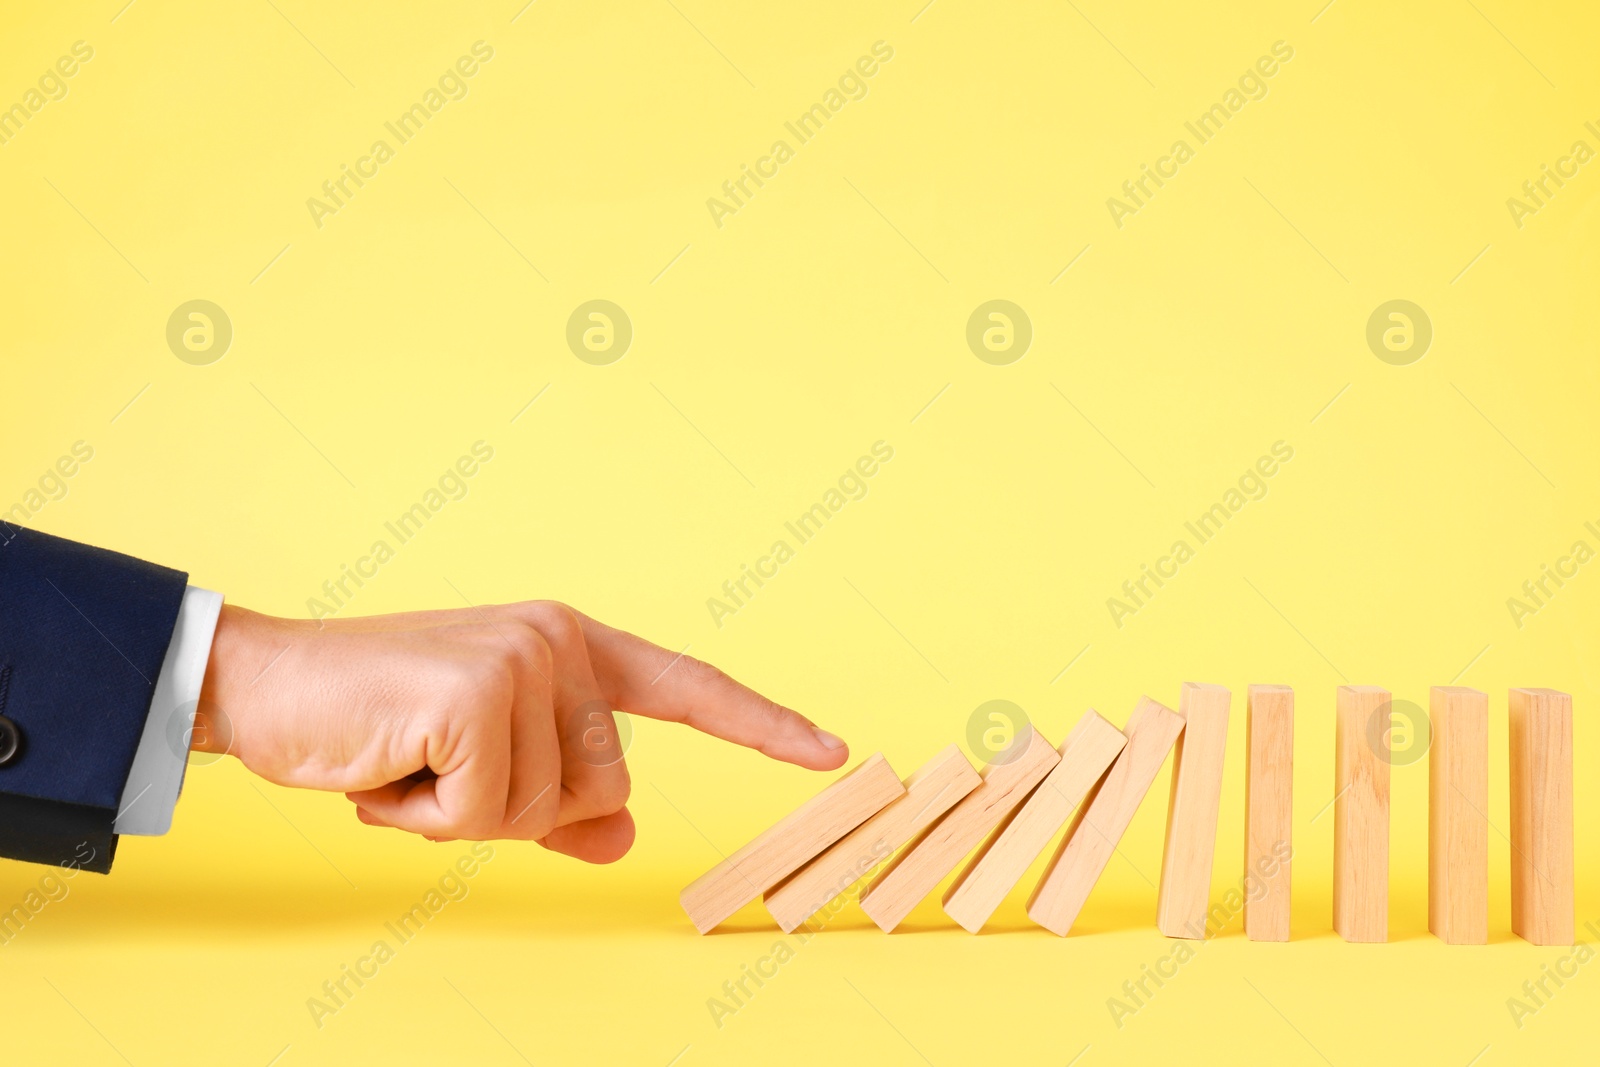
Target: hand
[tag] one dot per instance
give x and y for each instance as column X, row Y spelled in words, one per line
column 474, row 723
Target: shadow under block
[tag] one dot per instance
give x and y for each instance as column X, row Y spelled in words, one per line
column 917, row 871
column 1361, row 814
column 1104, row 817
column 1191, row 842
column 930, row 792
column 1458, row 805
column 1002, row 861
column 1268, row 810
column 1541, row 816
column 780, row 850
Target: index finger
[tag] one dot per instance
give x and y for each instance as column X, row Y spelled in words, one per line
column 645, row 679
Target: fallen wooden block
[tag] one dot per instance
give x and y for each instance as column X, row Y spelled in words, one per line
column 1185, row 891
column 1361, row 814
column 1103, row 818
column 933, row 790
column 1269, row 811
column 917, row 870
column 980, row 887
column 782, row 849
column 1541, row 816
column 1458, row 823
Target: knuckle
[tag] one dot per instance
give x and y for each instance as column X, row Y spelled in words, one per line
column 774, row 714
column 556, row 621
column 766, row 713
column 772, row 721
column 703, row 674
column 524, row 646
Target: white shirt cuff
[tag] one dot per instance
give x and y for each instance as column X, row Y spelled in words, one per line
column 156, row 778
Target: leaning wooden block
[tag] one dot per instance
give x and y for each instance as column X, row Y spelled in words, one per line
column 1104, row 817
column 1458, row 823
column 1269, row 811
column 913, row 874
column 1361, row 814
column 1541, row 816
column 933, row 790
column 1085, row 755
column 1185, row 891
column 779, row 851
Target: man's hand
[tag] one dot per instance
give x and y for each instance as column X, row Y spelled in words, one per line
column 478, row 723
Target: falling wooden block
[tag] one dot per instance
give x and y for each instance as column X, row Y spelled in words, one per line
column 801, row 835
column 1458, row 823
column 1104, row 817
column 1085, row 755
column 1361, row 814
column 933, row 790
column 1269, row 810
column 1541, row 816
column 913, row 874
column 1185, row 891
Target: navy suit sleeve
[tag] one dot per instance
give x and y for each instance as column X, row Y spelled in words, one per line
column 83, row 633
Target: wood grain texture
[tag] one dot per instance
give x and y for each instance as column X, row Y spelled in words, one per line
column 1269, row 811
column 1191, row 842
column 1104, row 817
column 1542, row 906
column 930, row 792
column 1361, row 814
column 782, row 849
column 1000, row 863
column 1458, row 825
column 921, row 866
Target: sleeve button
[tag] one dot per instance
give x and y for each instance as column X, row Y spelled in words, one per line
column 10, row 741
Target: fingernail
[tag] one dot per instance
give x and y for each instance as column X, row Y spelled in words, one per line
column 828, row 740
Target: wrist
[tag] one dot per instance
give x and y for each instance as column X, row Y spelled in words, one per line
column 242, row 650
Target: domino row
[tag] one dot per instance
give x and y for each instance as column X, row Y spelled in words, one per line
column 1005, row 817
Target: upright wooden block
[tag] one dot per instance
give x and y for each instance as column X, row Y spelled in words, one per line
column 933, row 790
column 1085, row 756
column 780, row 850
column 1104, row 817
column 1269, row 811
column 914, row 873
column 1185, row 891
column 1458, row 823
column 1541, row 816
column 1361, row 814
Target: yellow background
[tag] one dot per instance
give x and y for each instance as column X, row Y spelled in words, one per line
column 822, row 317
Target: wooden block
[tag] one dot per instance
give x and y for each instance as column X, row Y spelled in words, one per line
column 933, row 790
column 777, row 852
column 1085, row 756
column 1458, row 822
column 1269, row 810
column 1361, row 814
column 1104, row 817
column 1541, row 816
column 917, row 870
column 1185, row 891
